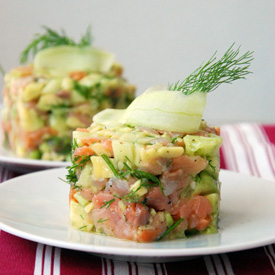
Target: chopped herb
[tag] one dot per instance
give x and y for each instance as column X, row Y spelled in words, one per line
column 197, row 177
column 81, row 217
column 61, row 107
column 191, row 232
column 82, row 227
column 144, row 175
column 212, row 166
column 71, row 177
column 74, row 145
column 107, row 203
column 172, row 227
column 92, row 91
column 112, row 167
column 101, row 220
column 60, row 145
column 173, row 140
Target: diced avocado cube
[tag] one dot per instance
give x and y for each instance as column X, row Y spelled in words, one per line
column 47, row 101
column 77, row 98
column 169, row 219
column 32, row 91
column 85, row 179
column 206, row 184
column 35, row 154
column 213, row 166
column 214, row 199
column 101, row 168
column 122, row 151
column 78, row 217
column 53, row 86
column 29, row 120
column 78, row 136
column 58, row 122
column 73, row 122
column 82, row 201
column 202, row 146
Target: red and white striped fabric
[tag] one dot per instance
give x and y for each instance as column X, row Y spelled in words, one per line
column 247, row 148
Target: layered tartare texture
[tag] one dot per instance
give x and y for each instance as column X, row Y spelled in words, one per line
column 40, row 110
column 145, row 185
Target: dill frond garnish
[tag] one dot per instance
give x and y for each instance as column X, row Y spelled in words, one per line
column 52, row 38
column 209, row 76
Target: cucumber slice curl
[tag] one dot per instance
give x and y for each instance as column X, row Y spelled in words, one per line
column 159, row 109
column 60, row 61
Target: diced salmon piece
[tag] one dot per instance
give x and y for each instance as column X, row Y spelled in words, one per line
column 137, row 214
column 197, row 212
column 71, row 195
column 32, row 139
column 107, row 143
column 82, row 130
column 156, row 199
column 87, row 193
column 101, row 198
column 118, row 187
column 154, row 230
column 82, row 151
column 189, row 165
column 77, row 75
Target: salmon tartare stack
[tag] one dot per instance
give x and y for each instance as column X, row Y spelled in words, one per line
column 62, row 89
column 151, row 171
column 142, row 184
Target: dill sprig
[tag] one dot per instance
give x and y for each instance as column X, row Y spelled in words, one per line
column 52, row 38
column 172, row 227
column 71, row 177
column 209, row 76
column 107, row 203
column 144, row 176
column 92, row 91
column 112, row 167
column 147, row 179
column 101, row 220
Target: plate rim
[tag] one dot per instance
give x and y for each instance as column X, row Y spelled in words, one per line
column 133, row 251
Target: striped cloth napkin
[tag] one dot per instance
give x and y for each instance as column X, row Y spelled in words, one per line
column 247, row 148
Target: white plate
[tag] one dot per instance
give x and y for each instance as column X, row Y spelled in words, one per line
column 35, row 207
column 25, row 165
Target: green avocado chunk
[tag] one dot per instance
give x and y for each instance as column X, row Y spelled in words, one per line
column 206, row 184
column 202, row 146
column 214, row 199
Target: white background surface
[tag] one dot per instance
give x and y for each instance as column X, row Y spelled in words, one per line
column 160, row 41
